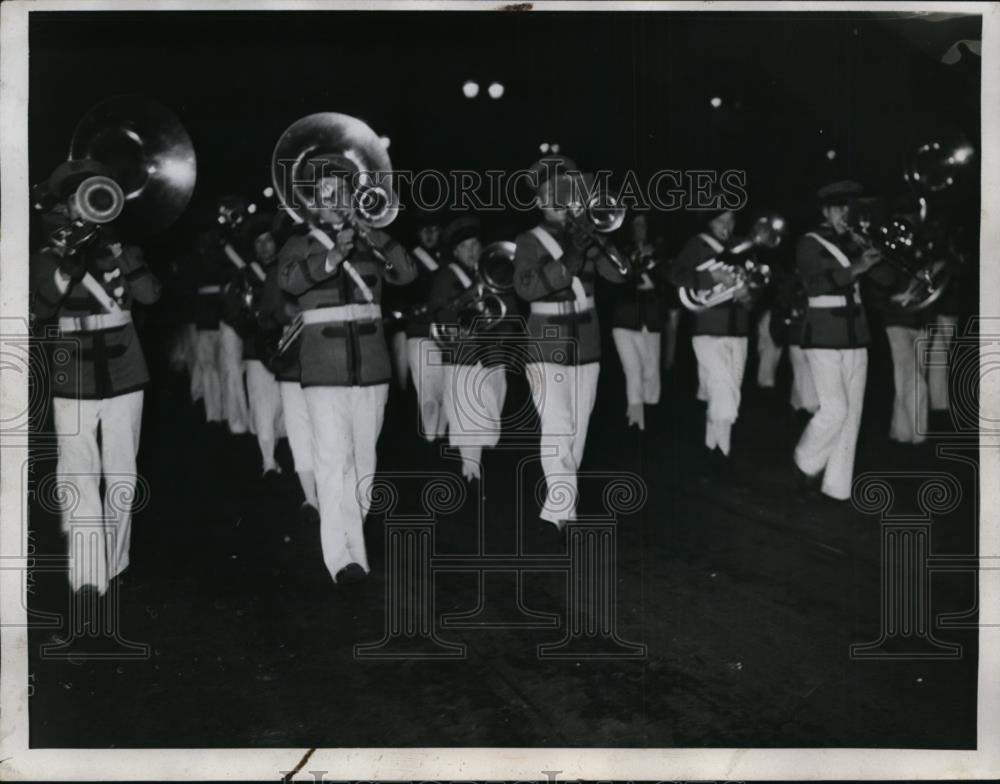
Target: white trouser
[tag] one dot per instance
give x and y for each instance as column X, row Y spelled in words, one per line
column 721, row 362
column 430, row 376
column 909, row 373
column 768, row 353
column 293, row 404
column 640, row 356
column 830, row 439
column 803, row 394
column 942, row 336
column 99, row 531
column 264, row 398
column 208, row 353
column 189, row 339
column 473, row 403
column 234, row 399
column 346, row 423
column 564, row 398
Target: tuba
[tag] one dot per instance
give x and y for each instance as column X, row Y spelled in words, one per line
column 766, row 231
column 138, row 171
column 330, row 144
column 481, row 307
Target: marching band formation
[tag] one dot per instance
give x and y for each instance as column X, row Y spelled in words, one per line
column 304, row 317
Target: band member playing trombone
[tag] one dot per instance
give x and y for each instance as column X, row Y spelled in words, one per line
column 835, row 337
column 719, row 333
column 555, row 267
column 345, row 365
column 638, row 322
column 88, row 292
column 475, row 377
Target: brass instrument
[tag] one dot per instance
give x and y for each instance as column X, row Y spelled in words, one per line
column 766, row 231
column 142, row 172
column 600, row 214
column 481, row 307
column 364, row 164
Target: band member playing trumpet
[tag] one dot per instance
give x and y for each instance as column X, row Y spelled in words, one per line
column 835, row 337
column 638, row 322
column 88, row 292
column 345, row 365
column 555, row 267
column 719, row 332
column 475, row 381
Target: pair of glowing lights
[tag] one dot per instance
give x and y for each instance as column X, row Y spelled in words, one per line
column 471, row 89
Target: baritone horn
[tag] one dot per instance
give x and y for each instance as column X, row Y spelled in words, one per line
column 482, row 307
column 767, row 231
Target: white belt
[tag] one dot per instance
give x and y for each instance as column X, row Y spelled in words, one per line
column 96, row 322
column 560, row 308
column 209, row 289
column 356, row 312
column 831, row 301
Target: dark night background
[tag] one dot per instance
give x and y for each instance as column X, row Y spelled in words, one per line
column 619, row 91
column 748, row 598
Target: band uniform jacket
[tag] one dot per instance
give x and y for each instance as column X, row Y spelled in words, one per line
column 728, row 318
column 640, row 300
column 413, row 296
column 101, row 363
column 342, row 353
column 841, row 327
column 481, row 345
column 571, row 337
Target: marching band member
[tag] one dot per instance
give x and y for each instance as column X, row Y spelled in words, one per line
column 278, row 310
column 345, row 365
column 263, row 392
column 232, row 212
column 89, row 294
column 208, row 315
column 428, row 376
column 475, row 383
column 719, row 334
column 555, row 267
column 835, row 337
column 638, row 323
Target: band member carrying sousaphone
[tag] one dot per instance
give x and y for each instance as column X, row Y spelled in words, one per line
column 333, row 172
column 85, row 281
column 555, row 267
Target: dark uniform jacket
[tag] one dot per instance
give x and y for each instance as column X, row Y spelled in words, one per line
column 411, row 298
column 341, row 353
column 639, row 302
column 567, row 338
column 100, row 363
column 841, row 327
column 729, row 318
column 277, row 310
column 480, row 345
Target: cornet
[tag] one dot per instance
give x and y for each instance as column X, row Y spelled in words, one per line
column 767, row 231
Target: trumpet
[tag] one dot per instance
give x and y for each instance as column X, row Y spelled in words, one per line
column 767, row 231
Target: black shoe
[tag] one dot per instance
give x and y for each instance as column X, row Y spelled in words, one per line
column 721, row 465
column 351, row 574
column 808, row 486
column 308, row 514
